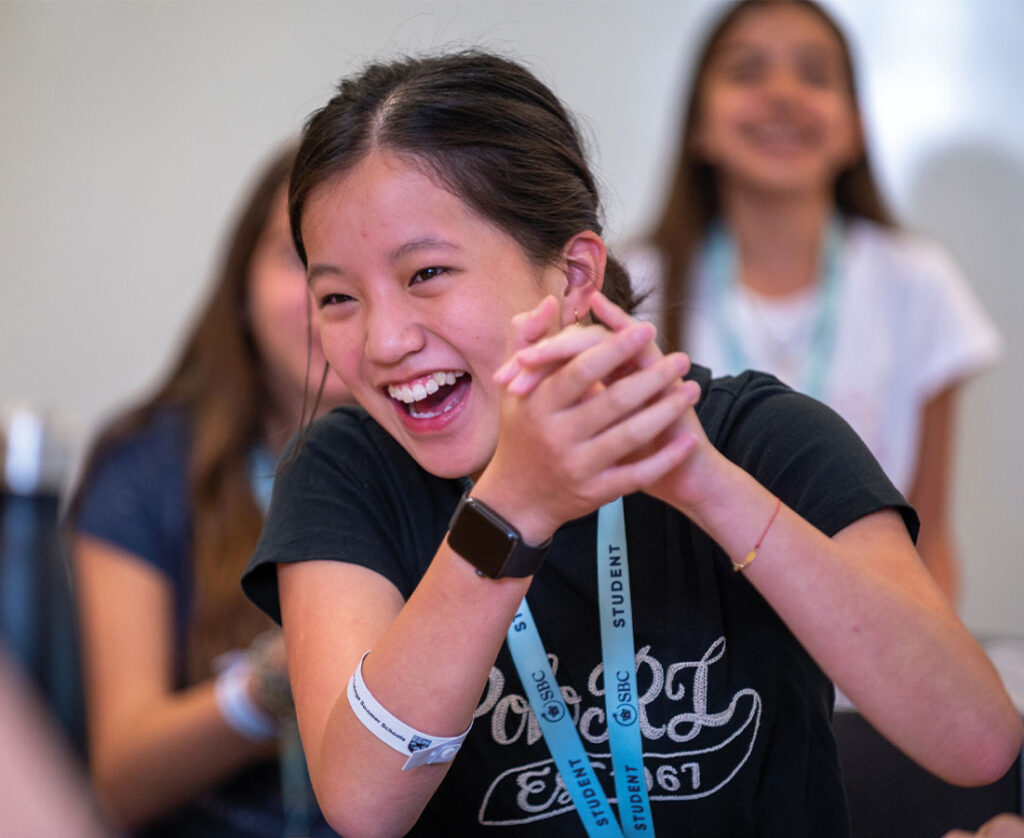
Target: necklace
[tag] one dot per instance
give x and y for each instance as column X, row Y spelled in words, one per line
column 800, row 351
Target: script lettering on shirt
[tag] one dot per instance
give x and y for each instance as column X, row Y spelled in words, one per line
column 702, row 746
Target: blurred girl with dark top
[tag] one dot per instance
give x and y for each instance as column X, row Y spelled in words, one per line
column 187, row 695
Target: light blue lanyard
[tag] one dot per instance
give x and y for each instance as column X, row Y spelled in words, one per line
column 720, row 259
column 296, row 788
column 261, row 475
column 620, row 695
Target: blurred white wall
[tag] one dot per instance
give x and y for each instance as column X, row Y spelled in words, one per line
column 127, row 131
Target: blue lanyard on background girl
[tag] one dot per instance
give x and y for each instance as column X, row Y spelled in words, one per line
column 300, row 808
column 721, row 264
column 622, row 710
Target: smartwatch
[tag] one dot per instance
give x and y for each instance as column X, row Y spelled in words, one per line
column 490, row 543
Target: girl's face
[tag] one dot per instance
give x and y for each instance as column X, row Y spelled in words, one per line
column 415, row 294
column 278, row 317
column 775, row 111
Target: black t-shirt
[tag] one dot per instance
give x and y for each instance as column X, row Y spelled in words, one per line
column 735, row 716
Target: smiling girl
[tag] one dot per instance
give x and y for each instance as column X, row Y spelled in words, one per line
column 508, row 580
column 775, row 251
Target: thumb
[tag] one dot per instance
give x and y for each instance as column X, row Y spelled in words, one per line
column 528, row 328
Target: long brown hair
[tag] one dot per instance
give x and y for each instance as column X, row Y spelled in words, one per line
column 692, row 203
column 218, row 384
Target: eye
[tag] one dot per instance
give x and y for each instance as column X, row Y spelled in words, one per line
column 424, row 274
column 332, row 300
column 819, row 71
column 745, row 68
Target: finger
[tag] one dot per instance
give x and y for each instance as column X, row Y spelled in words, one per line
column 527, row 327
column 562, row 347
column 617, row 319
column 586, row 355
column 628, row 395
column 531, row 326
column 635, row 476
column 534, row 363
column 633, row 438
column 613, row 316
column 576, row 378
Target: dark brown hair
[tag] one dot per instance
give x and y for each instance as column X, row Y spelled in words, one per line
column 217, row 383
column 692, row 203
column 485, row 127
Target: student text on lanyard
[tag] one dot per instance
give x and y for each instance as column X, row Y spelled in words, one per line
column 721, row 265
column 620, row 695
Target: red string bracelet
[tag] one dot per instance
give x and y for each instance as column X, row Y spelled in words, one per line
column 738, row 566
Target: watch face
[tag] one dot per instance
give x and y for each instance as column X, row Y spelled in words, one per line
column 481, row 539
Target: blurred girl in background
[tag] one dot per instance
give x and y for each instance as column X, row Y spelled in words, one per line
column 775, row 251
column 189, row 709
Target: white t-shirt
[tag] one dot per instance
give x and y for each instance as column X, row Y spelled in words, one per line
column 908, row 325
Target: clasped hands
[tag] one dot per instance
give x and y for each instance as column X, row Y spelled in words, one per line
column 591, row 412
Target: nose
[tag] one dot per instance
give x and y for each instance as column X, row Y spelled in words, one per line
column 782, row 84
column 392, row 331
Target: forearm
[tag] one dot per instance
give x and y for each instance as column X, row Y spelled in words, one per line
column 428, row 669
column 166, row 756
column 865, row 609
column 939, row 554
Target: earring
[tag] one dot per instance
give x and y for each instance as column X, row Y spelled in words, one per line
column 576, row 314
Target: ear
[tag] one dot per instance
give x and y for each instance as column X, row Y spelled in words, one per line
column 584, row 259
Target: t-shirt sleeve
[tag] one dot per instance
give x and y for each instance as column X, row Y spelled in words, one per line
column 954, row 335
column 339, row 496
column 801, row 450
column 136, row 497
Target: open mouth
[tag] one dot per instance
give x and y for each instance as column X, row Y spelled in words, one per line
column 778, row 136
column 431, row 395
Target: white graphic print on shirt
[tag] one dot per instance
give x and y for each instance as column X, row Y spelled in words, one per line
column 716, row 743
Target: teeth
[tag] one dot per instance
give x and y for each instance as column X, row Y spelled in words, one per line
column 420, row 389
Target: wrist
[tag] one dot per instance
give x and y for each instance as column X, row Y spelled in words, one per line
column 491, row 544
column 269, row 686
column 534, row 526
column 235, row 702
column 704, row 486
column 733, row 510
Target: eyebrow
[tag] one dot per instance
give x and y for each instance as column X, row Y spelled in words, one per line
column 422, row 243
column 740, row 44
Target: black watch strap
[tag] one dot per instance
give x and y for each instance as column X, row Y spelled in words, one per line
column 490, row 543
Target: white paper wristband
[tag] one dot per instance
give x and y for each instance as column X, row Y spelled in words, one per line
column 237, row 707
column 423, row 748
